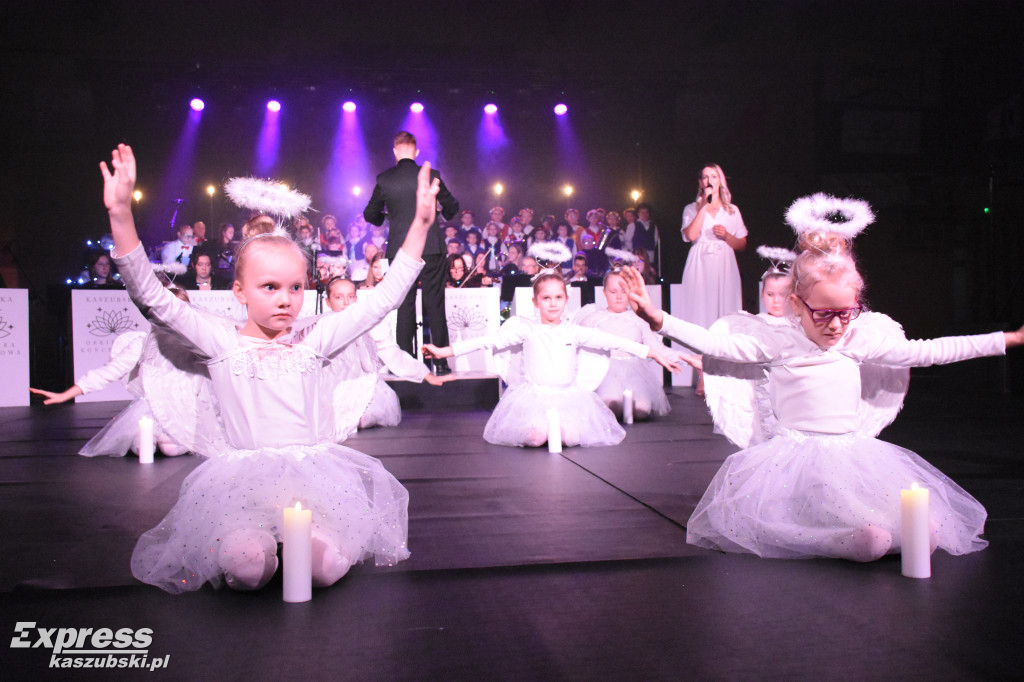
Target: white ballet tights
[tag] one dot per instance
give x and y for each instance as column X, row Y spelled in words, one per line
column 248, row 557
column 329, row 563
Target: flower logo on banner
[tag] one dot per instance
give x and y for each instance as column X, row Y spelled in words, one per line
column 467, row 319
column 5, row 327
column 111, row 322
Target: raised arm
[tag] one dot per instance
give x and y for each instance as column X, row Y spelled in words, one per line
column 118, row 185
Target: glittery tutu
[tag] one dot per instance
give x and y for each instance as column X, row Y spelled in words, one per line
column 800, row 495
column 521, row 415
column 117, row 437
column 360, row 507
column 384, row 408
column 635, row 374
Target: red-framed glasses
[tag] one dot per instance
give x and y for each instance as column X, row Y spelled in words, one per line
column 824, row 316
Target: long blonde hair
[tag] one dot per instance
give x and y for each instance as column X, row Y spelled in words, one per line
column 723, row 189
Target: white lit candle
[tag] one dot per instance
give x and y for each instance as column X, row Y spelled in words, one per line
column 147, row 445
column 627, row 406
column 554, row 431
column 915, row 531
column 297, row 554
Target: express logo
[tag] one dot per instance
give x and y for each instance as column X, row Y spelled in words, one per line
column 90, row 647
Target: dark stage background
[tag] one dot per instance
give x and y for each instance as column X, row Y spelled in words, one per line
column 914, row 106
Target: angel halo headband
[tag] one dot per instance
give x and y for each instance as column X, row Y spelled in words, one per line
column 826, row 213
column 780, row 260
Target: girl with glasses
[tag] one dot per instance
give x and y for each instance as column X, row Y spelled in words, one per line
column 822, row 484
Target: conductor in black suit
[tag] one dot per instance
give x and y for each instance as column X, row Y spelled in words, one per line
column 396, row 191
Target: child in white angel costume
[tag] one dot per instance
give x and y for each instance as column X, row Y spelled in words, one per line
column 362, row 399
column 625, row 371
column 276, row 411
column 821, row 484
column 546, row 368
column 169, row 385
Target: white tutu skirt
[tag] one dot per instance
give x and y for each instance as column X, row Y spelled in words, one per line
column 357, row 505
column 118, row 436
column 635, row 374
column 521, row 418
column 800, row 495
column 384, row 408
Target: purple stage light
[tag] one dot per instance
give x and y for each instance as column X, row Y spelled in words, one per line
column 197, row 104
column 491, row 109
column 349, row 106
column 273, row 105
column 416, row 108
column 561, row 109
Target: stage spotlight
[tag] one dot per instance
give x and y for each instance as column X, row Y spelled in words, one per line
column 197, row 104
column 357, row 190
column 210, row 189
column 567, row 190
column 349, row 106
column 273, row 105
column 635, row 194
column 137, row 195
column 491, row 109
column 499, row 188
column 560, row 109
column 416, row 108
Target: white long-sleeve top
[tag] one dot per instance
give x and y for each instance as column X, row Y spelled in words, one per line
column 550, row 352
column 815, row 389
column 269, row 391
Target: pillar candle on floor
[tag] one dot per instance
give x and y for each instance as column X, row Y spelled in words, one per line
column 147, row 444
column 554, row 431
column 297, row 554
column 915, row 529
column 627, row 406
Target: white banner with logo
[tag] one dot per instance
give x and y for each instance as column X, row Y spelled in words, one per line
column 472, row 313
column 97, row 318
column 14, row 353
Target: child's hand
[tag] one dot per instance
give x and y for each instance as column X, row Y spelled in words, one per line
column 667, row 358
column 118, row 185
column 695, row 361
column 435, row 380
column 1015, row 338
column 426, row 197
column 639, row 299
column 54, row 398
column 432, row 352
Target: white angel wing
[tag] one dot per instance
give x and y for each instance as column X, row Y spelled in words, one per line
column 737, row 393
column 882, row 387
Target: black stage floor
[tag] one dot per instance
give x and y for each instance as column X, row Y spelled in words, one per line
column 527, row 565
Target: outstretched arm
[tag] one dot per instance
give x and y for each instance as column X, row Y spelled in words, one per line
column 639, row 299
column 1015, row 338
column 54, row 398
column 432, row 351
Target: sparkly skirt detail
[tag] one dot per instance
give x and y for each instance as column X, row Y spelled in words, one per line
column 360, row 507
column 802, row 495
column 521, row 415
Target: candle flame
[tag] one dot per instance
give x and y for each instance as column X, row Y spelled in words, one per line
column 914, row 486
column 298, row 505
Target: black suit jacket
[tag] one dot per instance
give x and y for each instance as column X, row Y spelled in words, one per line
column 396, row 190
